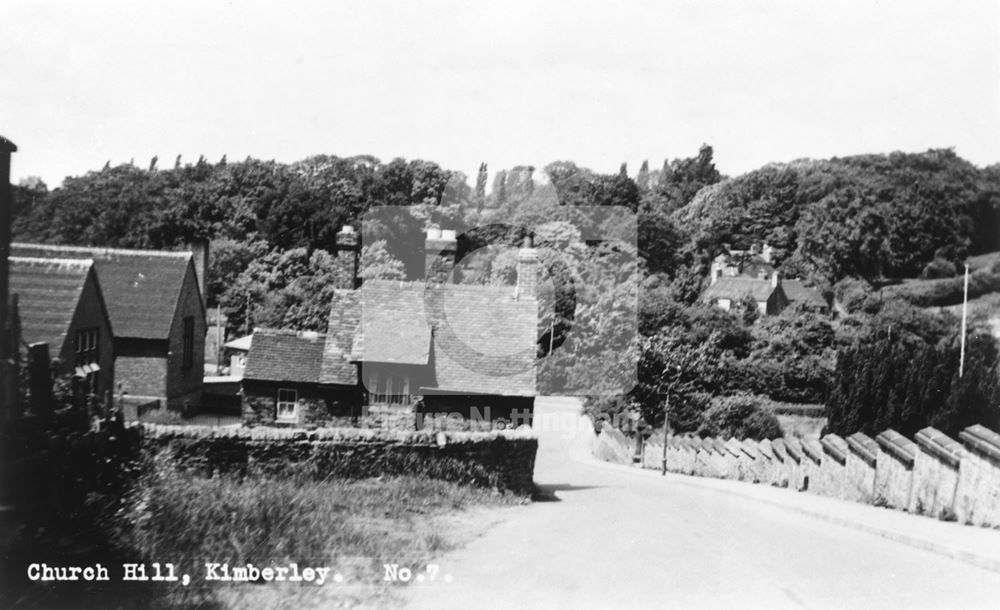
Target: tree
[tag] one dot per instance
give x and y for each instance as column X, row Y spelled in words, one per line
column 481, row 178
column 378, row 264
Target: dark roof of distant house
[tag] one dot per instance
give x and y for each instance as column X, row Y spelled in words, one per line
column 49, row 291
column 479, row 339
column 797, row 292
column 735, row 288
column 282, row 355
column 141, row 287
column 755, row 268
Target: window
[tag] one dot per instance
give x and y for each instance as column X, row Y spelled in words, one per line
column 188, row 359
column 88, row 352
column 389, row 389
column 287, row 403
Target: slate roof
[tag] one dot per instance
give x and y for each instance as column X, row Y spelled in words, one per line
column 337, row 366
column 797, row 292
column 735, row 288
column 48, row 292
column 478, row 339
column 141, row 287
column 282, row 355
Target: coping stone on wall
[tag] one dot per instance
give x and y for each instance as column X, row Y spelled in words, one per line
column 898, row 446
column 793, row 447
column 863, row 446
column 733, row 447
column 766, row 449
column 940, row 445
column 812, row 449
column 719, row 445
column 750, row 448
column 983, row 442
column 779, row 450
column 835, row 447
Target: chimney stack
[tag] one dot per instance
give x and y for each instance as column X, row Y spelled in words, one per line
column 440, row 249
column 527, row 272
column 348, row 258
column 776, row 279
column 716, row 272
column 766, row 253
column 199, row 254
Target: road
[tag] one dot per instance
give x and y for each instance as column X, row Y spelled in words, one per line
column 612, row 538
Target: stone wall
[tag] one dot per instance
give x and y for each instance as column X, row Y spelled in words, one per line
column 936, row 475
column 504, row 460
column 862, row 453
column 894, row 462
column 977, row 496
column 613, row 446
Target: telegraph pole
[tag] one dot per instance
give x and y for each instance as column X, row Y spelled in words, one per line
column 666, row 432
column 965, row 315
column 8, row 372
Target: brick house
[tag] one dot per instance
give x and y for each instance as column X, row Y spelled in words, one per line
column 430, row 347
column 155, row 304
column 59, row 302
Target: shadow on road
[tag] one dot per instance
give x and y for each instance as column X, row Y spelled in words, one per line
column 547, row 493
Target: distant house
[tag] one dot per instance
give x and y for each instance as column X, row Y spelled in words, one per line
column 157, row 312
column 800, row 294
column 462, row 349
column 60, row 303
column 237, row 351
column 728, row 292
column 737, row 274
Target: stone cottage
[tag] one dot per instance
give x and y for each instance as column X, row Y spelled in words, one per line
column 431, row 347
column 727, row 292
column 737, row 274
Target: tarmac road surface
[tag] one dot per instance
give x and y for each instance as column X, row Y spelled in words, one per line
column 613, row 538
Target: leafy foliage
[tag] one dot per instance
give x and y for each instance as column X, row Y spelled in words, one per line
column 741, row 416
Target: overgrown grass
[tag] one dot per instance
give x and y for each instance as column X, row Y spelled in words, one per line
column 947, row 291
column 354, row 527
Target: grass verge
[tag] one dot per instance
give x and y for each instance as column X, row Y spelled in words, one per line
column 351, row 526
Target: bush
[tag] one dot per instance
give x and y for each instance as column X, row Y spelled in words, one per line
column 741, row 416
column 852, row 293
column 938, row 268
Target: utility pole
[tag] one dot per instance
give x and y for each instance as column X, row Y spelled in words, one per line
column 8, row 370
column 666, row 432
column 965, row 315
column 248, row 316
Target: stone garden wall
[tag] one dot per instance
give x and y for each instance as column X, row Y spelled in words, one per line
column 500, row 459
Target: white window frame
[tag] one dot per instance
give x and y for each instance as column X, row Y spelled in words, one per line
column 290, row 407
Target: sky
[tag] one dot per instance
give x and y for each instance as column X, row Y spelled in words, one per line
column 508, row 83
